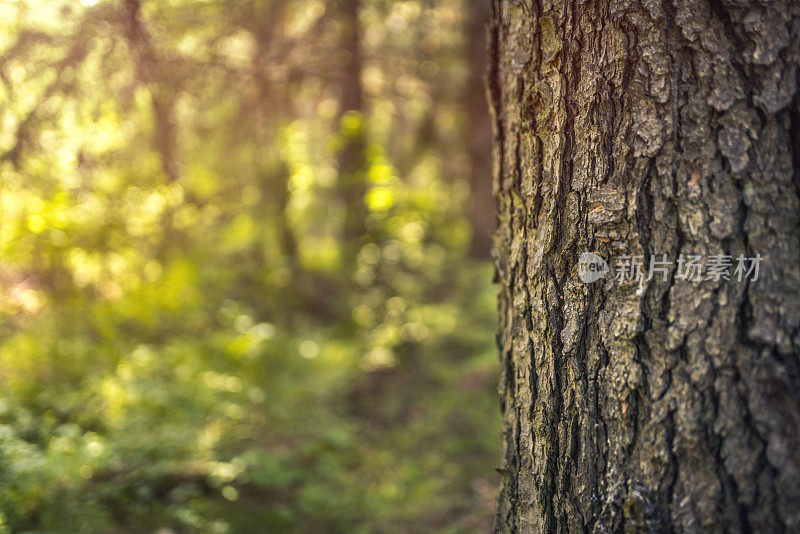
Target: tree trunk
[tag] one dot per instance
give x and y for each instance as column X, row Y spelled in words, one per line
column 639, row 128
column 478, row 131
column 352, row 163
column 150, row 73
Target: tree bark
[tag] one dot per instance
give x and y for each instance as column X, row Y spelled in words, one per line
column 642, row 127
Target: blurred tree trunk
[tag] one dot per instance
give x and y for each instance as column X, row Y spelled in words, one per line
column 478, row 131
column 352, row 164
column 150, row 74
column 639, row 128
column 271, row 102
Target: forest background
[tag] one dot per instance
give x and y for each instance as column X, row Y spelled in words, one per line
column 244, row 277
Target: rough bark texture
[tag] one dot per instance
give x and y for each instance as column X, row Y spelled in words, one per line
column 647, row 127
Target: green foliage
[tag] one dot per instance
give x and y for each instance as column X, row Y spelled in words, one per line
column 185, row 341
